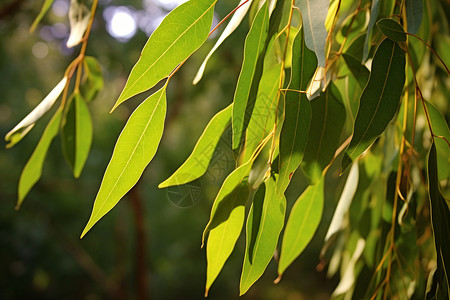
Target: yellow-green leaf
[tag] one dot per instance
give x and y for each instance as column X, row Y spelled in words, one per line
column 33, row 169
column 181, row 32
column 264, row 224
column 302, row 224
column 197, row 163
column 44, row 9
column 135, row 148
column 93, row 79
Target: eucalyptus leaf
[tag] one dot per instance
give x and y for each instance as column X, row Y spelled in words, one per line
column 392, row 30
column 135, row 148
column 414, row 14
column 45, row 7
column 358, row 70
column 303, row 221
column 93, row 79
column 181, row 32
column 380, row 99
column 33, row 169
column 264, row 223
column 79, row 16
column 373, row 17
column 197, row 163
column 294, row 132
column 253, row 47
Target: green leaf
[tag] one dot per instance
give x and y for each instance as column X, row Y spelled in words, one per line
column 44, row 9
column 262, row 119
column 33, row 169
column 77, row 134
column 264, row 224
column 392, row 30
column 181, row 32
column 302, row 224
column 93, row 79
column 226, row 221
column 253, row 47
column 440, row 128
column 380, row 99
column 327, row 121
column 414, row 14
column 197, row 163
column 440, row 219
column 24, row 126
column 373, row 17
column 294, row 132
column 314, row 14
column 358, row 70
column 235, row 20
column 135, row 148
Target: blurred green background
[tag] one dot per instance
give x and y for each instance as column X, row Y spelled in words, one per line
column 152, row 238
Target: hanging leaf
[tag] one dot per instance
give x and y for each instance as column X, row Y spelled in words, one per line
column 135, row 148
column 440, row 219
column 380, row 99
column 392, row 30
column 45, row 7
column 77, row 134
column 93, row 79
column 414, row 14
column 33, row 169
column 254, row 45
column 181, row 32
column 327, row 121
column 373, row 17
column 294, row 132
column 226, row 221
column 197, row 163
column 79, row 16
column 314, row 14
column 264, row 224
column 235, row 20
column 358, row 70
column 302, row 224
column 24, row 126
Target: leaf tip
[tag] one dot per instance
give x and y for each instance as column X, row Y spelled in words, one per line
column 206, row 292
column 278, row 279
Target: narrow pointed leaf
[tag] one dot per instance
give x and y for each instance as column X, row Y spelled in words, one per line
column 79, row 16
column 33, row 169
column 254, row 45
column 227, row 219
column 294, row 132
column 380, row 99
column 197, row 163
column 314, row 14
column 84, row 133
column 327, row 121
column 414, row 14
column 181, row 32
column 373, row 17
column 45, row 7
column 392, row 30
column 135, row 148
column 235, row 20
column 358, row 70
column 264, row 224
column 93, row 79
column 440, row 219
column 24, row 126
column 302, row 224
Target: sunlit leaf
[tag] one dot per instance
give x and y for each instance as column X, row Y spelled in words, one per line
column 254, row 45
column 235, row 20
column 296, row 124
column 302, row 224
column 24, row 126
column 314, row 14
column 45, row 7
column 33, row 169
column 440, row 219
column 327, row 121
column 197, row 163
column 79, row 16
column 392, row 30
column 380, row 99
column 135, row 148
column 373, row 17
column 181, row 32
column 264, row 224
column 93, row 79
column 414, row 14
